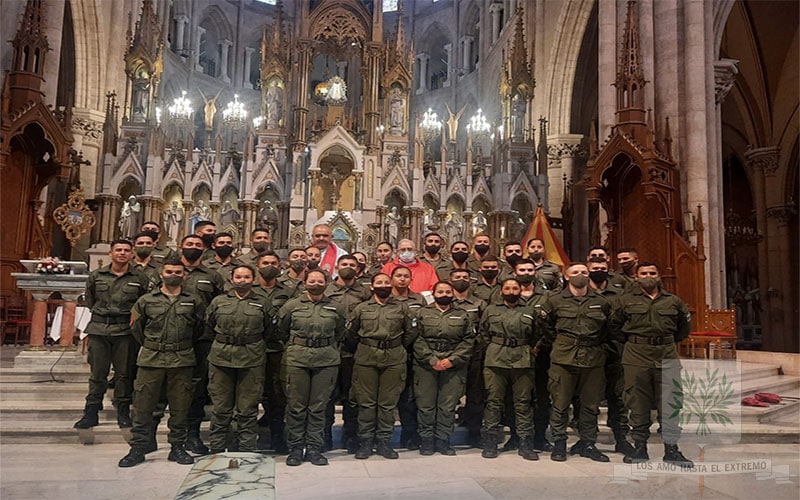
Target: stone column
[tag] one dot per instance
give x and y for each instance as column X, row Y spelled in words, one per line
column 67, row 322
column 466, row 52
column 301, row 109
column 608, row 42
column 248, row 55
column 496, row 10
column 180, row 31
column 39, row 320
column 199, row 35
column 779, row 292
column 224, row 49
column 448, row 49
column 422, row 61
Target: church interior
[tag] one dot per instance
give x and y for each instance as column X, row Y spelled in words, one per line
column 671, row 126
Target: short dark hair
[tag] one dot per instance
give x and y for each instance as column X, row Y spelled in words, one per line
column 151, row 223
column 457, row 242
column 441, row 282
column 432, row 234
column 188, row 236
column 259, row 230
column 628, row 250
column 309, row 246
column 121, row 241
column 149, row 234
column 246, row 266
column 204, row 223
column 532, row 240
column 574, row 263
column 172, row 262
column 394, row 271
column 267, row 253
column 223, row 234
column 372, row 281
column 348, row 256
column 512, row 244
column 385, row 243
column 597, row 247
column 490, row 258
column 320, row 271
column 454, row 271
column 648, row 263
column 523, row 261
column 596, row 260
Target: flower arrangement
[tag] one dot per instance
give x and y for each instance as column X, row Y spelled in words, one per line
column 51, row 265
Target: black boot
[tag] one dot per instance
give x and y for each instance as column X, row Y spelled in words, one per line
column 577, row 448
column 295, row 456
column 443, row 447
column 178, row 454
column 474, row 438
column 590, row 451
column 672, row 455
column 541, row 443
column 413, row 441
column 621, row 444
column 327, row 439
column 351, row 444
column 89, row 419
column 195, row 444
column 513, row 442
column 364, row 450
column 134, row 457
column 427, row 447
column 526, row 450
column 124, row 415
column 639, row 453
column 384, row 448
column 559, row 453
column 315, row 457
column 489, row 444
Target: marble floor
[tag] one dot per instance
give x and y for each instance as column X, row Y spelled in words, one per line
column 73, row 471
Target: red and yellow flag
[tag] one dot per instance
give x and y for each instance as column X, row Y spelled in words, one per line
column 540, row 228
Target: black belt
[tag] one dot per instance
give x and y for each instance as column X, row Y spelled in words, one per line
column 382, row 344
column 167, row 346
column 235, row 340
column 660, row 340
column 581, row 341
column 442, row 344
column 111, row 320
column 308, row 342
column 509, row 341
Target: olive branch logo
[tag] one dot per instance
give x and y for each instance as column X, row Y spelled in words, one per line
column 707, row 398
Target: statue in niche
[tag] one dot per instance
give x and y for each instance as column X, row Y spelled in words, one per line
column 429, row 221
column 267, row 215
column 141, row 98
column 274, row 100
column 173, row 219
column 200, row 213
column 479, row 223
column 518, row 108
column 337, row 94
column 230, row 216
column 518, row 227
column 454, row 227
column 210, row 108
column 129, row 217
column 393, row 222
column 396, row 113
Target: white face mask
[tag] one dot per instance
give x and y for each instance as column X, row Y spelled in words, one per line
column 407, row 256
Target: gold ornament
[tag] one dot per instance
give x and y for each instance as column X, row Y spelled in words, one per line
column 74, row 217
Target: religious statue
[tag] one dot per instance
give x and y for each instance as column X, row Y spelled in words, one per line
column 479, row 223
column 274, row 100
column 393, row 221
column 396, row 113
column 337, row 93
column 518, row 227
column 129, row 217
column 454, row 228
column 201, row 212
column 429, row 221
column 141, row 99
column 210, row 109
column 518, row 107
column 267, row 216
column 230, row 216
column 173, row 219
column 452, row 122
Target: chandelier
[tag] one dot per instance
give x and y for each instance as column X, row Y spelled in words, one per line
column 235, row 114
column 431, row 125
column 181, row 108
column 478, row 126
column 739, row 232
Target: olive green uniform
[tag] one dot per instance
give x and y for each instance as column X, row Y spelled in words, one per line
column 239, row 328
column 651, row 327
column 295, row 286
column 442, row 266
column 312, row 332
column 509, row 333
column 449, row 335
column 621, row 282
column 379, row 335
column 223, row 269
column 110, row 298
column 486, row 293
column 165, row 327
column 578, row 330
column 407, row 404
column 472, row 412
column 548, row 276
column 160, row 254
column 150, row 270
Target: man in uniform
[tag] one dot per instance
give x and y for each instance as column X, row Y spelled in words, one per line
column 625, row 277
column 578, row 329
column 313, row 258
column 472, row 412
column 205, row 284
column 166, row 322
column 459, row 253
column 274, row 398
column 432, row 254
column 260, row 241
column 480, row 249
column 348, row 292
column 159, row 252
column 111, row 291
column 295, row 274
column 205, row 230
column 222, row 262
column 547, row 274
column 512, row 252
column 487, row 284
column 653, row 321
column 143, row 246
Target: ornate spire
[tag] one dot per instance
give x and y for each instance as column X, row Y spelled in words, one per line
column 147, row 36
column 144, row 64
column 630, row 75
column 400, row 34
column 517, row 70
column 30, row 43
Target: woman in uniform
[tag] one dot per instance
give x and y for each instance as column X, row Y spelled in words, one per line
column 441, row 354
column 379, row 332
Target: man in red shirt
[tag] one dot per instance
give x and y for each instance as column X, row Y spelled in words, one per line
column 423, row 275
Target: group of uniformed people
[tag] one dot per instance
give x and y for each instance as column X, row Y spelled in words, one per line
column 413, row 333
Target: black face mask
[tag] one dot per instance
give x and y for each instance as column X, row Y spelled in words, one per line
column 191, row 254
column 143, row 252
column 316, row 289
column 627, row 266
column 312, row 264
column 224, row 251
column 261, row 246
column 347, row 273
column 598, row 276
column 444, row 300
column 481, row 249
column 269, row 272
column 243, row 288
column 525, row 279
column 172, row 281
column 489, row 274
column 513, row 259
column 511, row 298
column 460, row 286
column 382, row 291
column 208, row 240
column 460, row 257
column 298, row 266
column 432, row 249
column 537, row 255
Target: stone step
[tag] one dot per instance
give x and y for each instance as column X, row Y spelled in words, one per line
column 782, row 385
